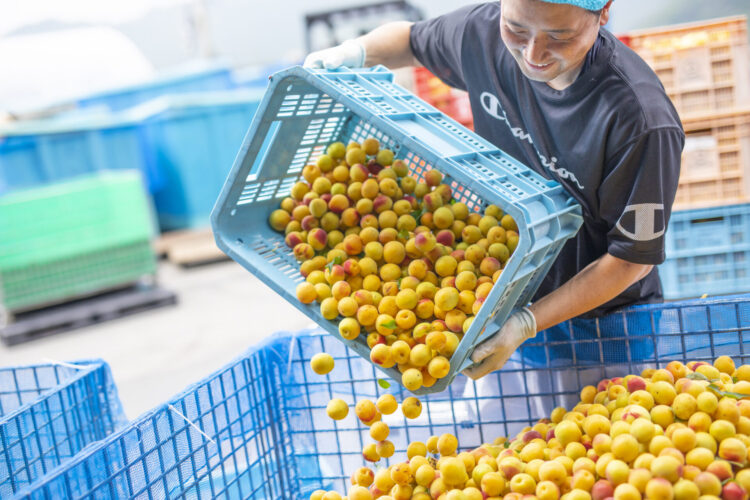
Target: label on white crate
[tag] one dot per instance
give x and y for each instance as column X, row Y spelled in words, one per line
column 700, row 157
column 692, row 68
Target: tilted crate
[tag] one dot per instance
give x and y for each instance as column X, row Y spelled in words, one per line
column 305, row 110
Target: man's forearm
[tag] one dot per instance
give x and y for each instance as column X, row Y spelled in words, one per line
column 598, row 283
column 389, row 45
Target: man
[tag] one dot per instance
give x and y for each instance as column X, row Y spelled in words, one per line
column 569, row 100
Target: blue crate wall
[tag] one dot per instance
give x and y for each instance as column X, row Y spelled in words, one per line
column 267, row 434
column 215, row 78
column 192, row 141
column 548, row 371
column 226, row 451
column 708, row 252
column 50, row 412
column 53, row 150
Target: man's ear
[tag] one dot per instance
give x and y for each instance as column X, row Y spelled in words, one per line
column 604, row 16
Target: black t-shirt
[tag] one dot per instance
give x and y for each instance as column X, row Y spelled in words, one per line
column 612, row 139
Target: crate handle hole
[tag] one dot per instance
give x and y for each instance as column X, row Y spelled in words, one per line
column 239, row 240
column 273, row 130
column 707, row 219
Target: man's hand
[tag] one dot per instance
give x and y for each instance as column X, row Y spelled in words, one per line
column 350, row 54
column 495, row 351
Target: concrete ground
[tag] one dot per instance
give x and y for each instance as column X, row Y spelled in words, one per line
column 222, row 310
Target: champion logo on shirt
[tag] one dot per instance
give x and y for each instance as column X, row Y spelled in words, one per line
column 491, row 105
column 643, row 222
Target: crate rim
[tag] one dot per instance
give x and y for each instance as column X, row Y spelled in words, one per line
column 130, row 117
column 729, row 206
column 84, row 367
column 734, row 112
column 64, row 186
column 674, row 28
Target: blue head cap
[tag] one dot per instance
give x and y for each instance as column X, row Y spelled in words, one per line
column 584, row 4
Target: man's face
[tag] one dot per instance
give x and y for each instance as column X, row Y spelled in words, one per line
column 548, row 41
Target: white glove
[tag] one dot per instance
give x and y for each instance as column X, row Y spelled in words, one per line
column 350, row 54
column 493, row 353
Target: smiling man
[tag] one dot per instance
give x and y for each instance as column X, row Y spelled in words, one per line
column 551, row 87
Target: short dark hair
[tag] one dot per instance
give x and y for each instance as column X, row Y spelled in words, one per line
column 596, row 12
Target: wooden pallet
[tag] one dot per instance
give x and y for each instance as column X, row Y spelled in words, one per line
column 85, row 312
column 189, row 248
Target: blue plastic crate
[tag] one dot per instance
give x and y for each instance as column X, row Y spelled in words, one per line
column 184, row 145
column 211, row 78
column 708, row 252
column 217, row 439
column 45, row 151
column 192, row 140
column 260, row 428
column 50, row 412
column 305, row 110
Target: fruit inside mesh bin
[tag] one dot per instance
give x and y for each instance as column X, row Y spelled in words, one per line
column 304, row 112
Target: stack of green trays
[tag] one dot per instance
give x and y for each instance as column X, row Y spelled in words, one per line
column 73, row 239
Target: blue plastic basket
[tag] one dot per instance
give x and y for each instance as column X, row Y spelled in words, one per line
column 708, row 252
column 192, row 140
column 44, row 151
column 260, row 430
column 210, row 78
column 50, row 412
column 305, row 110
column 184, row 146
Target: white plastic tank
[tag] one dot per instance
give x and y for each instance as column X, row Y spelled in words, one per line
column 46, row 69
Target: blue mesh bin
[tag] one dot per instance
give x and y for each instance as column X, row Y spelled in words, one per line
column 708, row 252
column 305, row 110
column 48, row 413
column 260, row 430
column 217, row 439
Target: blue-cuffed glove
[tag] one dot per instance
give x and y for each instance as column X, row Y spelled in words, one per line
column 494, row 352
column 350, row 54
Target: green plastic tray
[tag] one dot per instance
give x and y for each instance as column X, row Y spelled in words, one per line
column 63, row 241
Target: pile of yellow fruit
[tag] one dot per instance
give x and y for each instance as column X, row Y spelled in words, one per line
column 402, row 262
column 681, row 432
column 396, row 259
